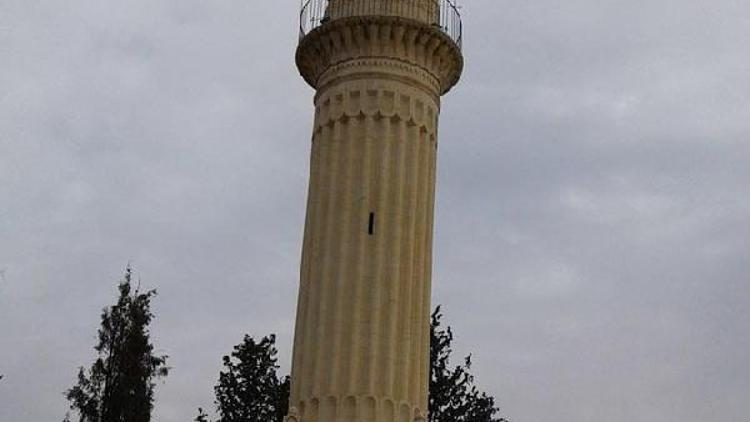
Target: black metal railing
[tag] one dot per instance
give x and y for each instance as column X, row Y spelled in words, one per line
column 443, row 14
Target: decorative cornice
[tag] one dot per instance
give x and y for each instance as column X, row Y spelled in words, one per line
column 380, row 68
column 381, row 44
column 355, row 100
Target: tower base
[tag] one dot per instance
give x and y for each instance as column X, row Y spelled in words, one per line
column 294, row 416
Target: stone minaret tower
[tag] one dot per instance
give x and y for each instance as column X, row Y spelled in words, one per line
column 361, row 347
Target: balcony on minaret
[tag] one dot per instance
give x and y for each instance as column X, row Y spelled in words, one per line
column 442, row 14
column 422, row 10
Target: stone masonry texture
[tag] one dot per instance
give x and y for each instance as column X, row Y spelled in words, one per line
column 361, row 347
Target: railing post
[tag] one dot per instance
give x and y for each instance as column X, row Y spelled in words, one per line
column 313, row 13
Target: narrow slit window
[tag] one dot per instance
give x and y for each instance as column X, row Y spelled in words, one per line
column 371, row 224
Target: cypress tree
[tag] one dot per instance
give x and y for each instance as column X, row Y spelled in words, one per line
column 119, row 385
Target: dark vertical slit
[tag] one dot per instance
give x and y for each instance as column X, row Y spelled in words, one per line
column 371, row 224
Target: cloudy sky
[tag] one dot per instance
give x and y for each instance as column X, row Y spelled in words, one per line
column 593, row 215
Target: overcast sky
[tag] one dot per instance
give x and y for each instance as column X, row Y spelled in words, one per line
column 592, row 219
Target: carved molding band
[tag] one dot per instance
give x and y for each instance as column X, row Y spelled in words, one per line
column 383, row 99
column 381, row 37
column 380, row 68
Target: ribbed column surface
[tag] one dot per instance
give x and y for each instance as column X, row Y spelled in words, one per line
column 362, row 338
column 361, row 350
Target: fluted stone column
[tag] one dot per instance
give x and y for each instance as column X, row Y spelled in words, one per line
column 361, row 348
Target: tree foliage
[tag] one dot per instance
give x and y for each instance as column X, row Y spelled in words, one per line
column 119, row 385
column 202, row 416
column 453, row 395
column 249, row 389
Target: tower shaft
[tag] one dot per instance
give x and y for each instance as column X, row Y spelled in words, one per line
column 361, row 348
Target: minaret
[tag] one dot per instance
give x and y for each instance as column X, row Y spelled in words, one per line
column 361, row 347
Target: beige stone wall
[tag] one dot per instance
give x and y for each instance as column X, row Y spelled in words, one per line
column 365, row 298
column 361, row 348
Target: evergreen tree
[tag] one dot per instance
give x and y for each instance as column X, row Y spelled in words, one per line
column 249, row 389
column 119, row 386
column 453, row 395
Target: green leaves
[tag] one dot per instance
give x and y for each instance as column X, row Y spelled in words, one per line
column 453, row 395
column 249, row 389
column 119, row 386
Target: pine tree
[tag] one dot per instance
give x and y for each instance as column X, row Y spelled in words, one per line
column 119, row 386
column 249, row 389
column 453, row 395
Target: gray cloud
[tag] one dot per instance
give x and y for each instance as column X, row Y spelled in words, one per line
column 592, row 213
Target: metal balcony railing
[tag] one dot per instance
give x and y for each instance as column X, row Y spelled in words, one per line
column 442, row 14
